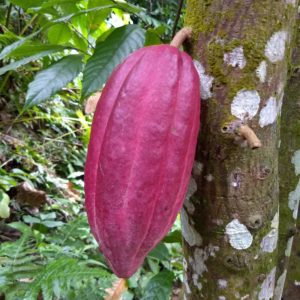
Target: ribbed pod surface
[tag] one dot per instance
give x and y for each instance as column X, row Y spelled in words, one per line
column 141, row 153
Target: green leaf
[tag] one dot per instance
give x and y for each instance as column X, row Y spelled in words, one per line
column 59, row 34
column 108, row 54
column 160, row 252
column 28, row 3
column 31, row 220
column 159, row 287
column 97, row 17
column 52, row 224
column 26, row 60
column 51, row 80
column 173, row 237
column 4, row 205
column 7, row 37
column 65, row 270
column 152, row 38
column 122, row 6
column 10, row 48
column 29, row 49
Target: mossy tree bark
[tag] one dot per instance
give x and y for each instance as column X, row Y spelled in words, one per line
column 289, row 174
column 230, row 220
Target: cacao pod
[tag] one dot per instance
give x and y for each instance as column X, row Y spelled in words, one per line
column 141, row 153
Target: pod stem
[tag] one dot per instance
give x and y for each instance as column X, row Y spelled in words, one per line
column 252, row 139
column 181, row 36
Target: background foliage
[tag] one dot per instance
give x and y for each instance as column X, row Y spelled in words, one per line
column 54, row 54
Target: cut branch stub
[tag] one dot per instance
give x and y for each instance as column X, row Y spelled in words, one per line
column 252, row 139
column 181, row 36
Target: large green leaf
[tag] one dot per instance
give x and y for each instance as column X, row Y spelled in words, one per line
column 59, row 34
column 10, row 48
column 27, row 3
column 160, row 252
column 33, row 48
column 129, row 8
column 26, row 60
column 159, row 287
column 97, row 17
column 108, row 54
column 63, row 271
column 49, row 81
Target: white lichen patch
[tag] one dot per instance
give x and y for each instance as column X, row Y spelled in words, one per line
column 289, row 245
column 245, row 297
column 261, row 71
column 209, row 177
column 184, row 263
column 222, row 298
column 297, row 283
column 296, row 161
column 239, row 236
column 275, row 221
column 268, row 114
column 292, row 2
column 206, row 81
column 197, row 168
column 196, row 281
column 267, row 288
column 279, row 105
column 294, row 198
column 245, row 104
column 186, row 285
column 269, row 242
column 218, row 222
column 222, row 283
column 201, row 256
column 236, row 58
column 189, row 233
column 280, row 285
column 192, row 188
column 275, row 48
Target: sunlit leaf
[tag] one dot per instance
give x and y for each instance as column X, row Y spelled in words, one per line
column 59, row 34
column 152, row 38
column 28, row 3
column 4, row 205
column 97, row 17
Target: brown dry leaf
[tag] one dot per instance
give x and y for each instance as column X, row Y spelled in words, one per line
column 70, row 193
column 117, row 290
column 91, row 103
column 11, row 140
column 28, row 195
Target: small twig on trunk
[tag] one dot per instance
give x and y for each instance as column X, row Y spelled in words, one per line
column 252, row 139
column 181, row 36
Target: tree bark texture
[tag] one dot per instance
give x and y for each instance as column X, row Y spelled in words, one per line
column 230, row 217
column 291, row 289
column 289, row 174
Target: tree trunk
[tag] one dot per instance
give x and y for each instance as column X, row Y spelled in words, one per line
column 289, row 171
column 292, row 285
column 230, row 222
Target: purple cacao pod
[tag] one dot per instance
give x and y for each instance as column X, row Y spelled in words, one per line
column 141, row 153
